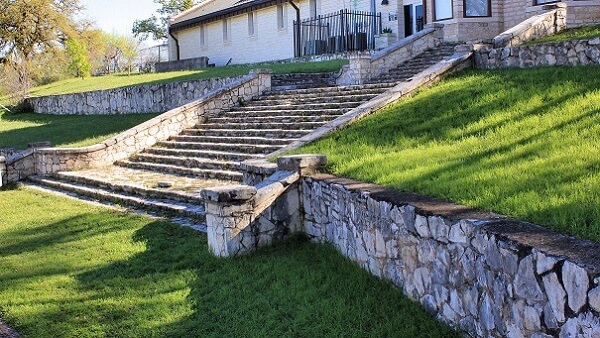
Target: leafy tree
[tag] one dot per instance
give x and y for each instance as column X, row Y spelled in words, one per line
column 119, row 53
column 80, row 64
column 157, row 27
column 32, row 26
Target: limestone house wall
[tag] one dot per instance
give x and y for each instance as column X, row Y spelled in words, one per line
column 151, row 98
column 45, row 161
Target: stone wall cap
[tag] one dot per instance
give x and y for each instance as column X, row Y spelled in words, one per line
column 261, row 166
column 299, row 162
column 261, row 71
column 229, row 193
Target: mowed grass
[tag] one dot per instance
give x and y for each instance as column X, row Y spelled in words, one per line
column 68, row 269
column 580, row 33
column 524, row 143
column 124, row 80
column 16, row 131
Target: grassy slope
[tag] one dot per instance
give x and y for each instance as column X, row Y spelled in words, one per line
column 525, row 143
column 581, row 33
column 63, row 131
column 124, row 80
column 68, row 269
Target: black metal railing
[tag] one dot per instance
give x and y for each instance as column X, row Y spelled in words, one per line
column 338, row 32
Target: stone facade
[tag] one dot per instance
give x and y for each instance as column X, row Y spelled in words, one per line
column 582, row 13
column 45, row 161
column 569, row 53
column 154, row 98
column 480, row 273
column 363, row 67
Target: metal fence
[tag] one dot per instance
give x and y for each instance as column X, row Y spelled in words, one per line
column 337, row 32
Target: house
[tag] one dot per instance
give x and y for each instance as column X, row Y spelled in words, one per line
column 248, row 31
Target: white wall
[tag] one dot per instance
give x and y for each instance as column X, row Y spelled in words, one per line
column 268, row 43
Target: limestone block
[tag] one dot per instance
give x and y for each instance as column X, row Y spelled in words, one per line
column 576, row 283
column 526, row 285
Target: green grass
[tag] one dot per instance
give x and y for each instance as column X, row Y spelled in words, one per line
column 581, row 33
column 524, row 143
column 68, row 269
column 16, row 131
column 124, row 80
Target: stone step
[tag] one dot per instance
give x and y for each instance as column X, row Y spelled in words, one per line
column 189, row 162
column 263, row 133
column 292, row 99
column 299, row 112
column 257, row 125
column 336, row 89
column 209, row 154
column 276, row 119
column 239, row 148
column 233, row 139
column 128, row 189
column 183, row 171
column 163, row 205
column 323, row 94
column 294, row 106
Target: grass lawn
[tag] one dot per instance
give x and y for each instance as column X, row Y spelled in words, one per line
column 68, row 269
column 124, row 80
column 16, row 131
column 524, row 143
column 581, row 33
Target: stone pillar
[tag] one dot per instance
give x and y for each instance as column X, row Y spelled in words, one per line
column 303, row 164
column 438, row 34
column 264, row 79
column 3, row 173
column 229, row 214
column 360, row 69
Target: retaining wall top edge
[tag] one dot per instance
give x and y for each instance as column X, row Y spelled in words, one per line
column 585, row 253
column 402, row 43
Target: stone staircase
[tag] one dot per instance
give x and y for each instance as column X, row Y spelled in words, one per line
column 167, row 178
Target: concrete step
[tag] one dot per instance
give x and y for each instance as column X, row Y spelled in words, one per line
column 102, row 194
column 238, row 148
column 233, row 139
column 294, row 106
column 257, row 125
column 337, row 89
column 262, row 133
column 276, row 119
column 129, row 189
column 323, row 94
column 206, row 154
column 291, row 99
column 189, row 162
column 183, row 171
column 298, row 112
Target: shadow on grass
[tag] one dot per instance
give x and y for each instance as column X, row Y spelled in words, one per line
column 295, row 288
column 63, row 129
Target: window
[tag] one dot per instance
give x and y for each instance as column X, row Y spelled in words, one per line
column 442, row 9
column 226, row 30
column 202, row 37
column 280, row 18
column 312, row 6
column 251, row 23
column 477, row 8
column 541, row 2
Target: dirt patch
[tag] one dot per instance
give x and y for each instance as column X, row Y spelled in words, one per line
column 7, row 331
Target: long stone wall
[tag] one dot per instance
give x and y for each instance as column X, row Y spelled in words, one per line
column 45, row 161
column 568, row 53
column 151, row 98
column 481, row 273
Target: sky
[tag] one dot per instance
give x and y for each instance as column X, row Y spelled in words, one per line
column 117, row 16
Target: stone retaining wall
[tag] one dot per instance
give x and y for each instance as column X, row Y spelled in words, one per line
column 478, row 272
column 152, row 98
column 46, row 161
column 568, row 53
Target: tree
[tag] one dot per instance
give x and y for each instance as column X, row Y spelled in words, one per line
column 157, row 27
column 32, row 26
column 119, row 54
column 80, row 63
